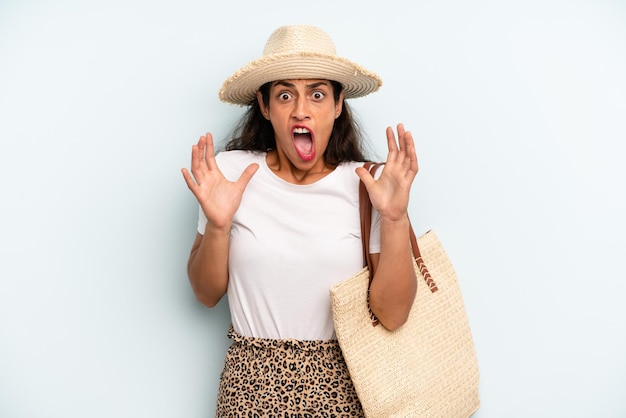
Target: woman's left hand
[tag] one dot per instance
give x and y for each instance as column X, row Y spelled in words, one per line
column 390, row 193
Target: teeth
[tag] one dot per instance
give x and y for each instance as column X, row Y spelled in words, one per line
column 301, row 131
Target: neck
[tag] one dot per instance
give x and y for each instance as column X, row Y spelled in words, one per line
column 305, row 174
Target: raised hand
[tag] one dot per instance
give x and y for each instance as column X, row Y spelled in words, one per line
column 390, row 193
column 218, row 197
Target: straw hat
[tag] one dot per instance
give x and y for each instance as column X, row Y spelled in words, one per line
column 298, row 52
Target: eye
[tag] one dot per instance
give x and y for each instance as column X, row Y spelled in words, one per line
column 318, row 95
column 284, row 96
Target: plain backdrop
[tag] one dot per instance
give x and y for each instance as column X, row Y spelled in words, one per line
column 518, row 109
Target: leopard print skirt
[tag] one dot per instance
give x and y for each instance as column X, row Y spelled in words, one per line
column 285, row 378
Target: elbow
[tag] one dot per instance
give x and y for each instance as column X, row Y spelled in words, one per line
column 395, row 322
column 207, row 292
column 207, row 300
column 394, row 312
column 391, row 318
column 206, row 295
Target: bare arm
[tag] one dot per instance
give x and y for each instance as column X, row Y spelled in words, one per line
column 394, row 283
column 219, row 199
column 207, row 267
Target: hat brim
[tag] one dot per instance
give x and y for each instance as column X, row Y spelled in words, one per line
column 242, row 86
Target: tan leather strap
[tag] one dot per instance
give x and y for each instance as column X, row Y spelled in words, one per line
column 365, row 209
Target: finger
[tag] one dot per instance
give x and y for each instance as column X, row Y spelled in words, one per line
column 198, row 164
column 209, row 151
column 197, row 154
column 365, row 176
column 402, row 133
column 196, row 160
column 188, row 179
column 247, row 174
column 200, row 146
column 411, row 155
column 202, row 156
column 391, row 140
column 392, row 146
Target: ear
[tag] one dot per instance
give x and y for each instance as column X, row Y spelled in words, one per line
column 339, row 105
column 264, row 109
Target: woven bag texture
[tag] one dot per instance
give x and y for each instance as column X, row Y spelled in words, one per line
column 426, row 368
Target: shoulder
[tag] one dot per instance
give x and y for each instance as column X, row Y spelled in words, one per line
column 232, row 163
column 344, row 178
column 239, row 157
column 351, row 166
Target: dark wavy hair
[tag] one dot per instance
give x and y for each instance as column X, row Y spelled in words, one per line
column 255, row 133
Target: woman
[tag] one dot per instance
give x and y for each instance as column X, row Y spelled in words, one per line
column 279, row 225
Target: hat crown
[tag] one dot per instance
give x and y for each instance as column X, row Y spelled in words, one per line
column 299, row 38
column 298, row 52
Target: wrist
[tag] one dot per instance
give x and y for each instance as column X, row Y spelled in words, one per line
column 218, row 229
column 400, row 222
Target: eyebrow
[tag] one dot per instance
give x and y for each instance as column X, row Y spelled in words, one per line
column 310, row 86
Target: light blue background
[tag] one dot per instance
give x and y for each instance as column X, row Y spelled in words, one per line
column 518, row 109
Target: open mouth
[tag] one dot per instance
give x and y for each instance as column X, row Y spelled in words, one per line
column 303, row 141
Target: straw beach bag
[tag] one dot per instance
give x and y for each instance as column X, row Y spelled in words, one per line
column 427, row 367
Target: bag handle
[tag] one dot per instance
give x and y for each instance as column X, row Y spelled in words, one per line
column 365, row 209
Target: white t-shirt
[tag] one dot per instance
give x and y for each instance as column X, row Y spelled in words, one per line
column 288, row 245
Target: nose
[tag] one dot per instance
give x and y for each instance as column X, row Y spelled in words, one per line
column 300, row 109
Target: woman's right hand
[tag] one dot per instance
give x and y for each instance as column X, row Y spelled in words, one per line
column 218, row 197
